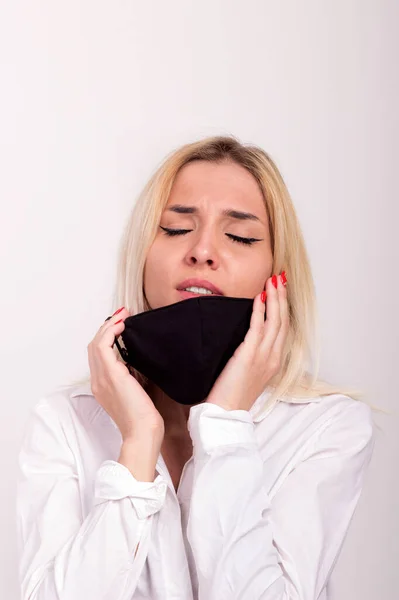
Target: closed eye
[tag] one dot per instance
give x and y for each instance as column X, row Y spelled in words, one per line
column 234, row 238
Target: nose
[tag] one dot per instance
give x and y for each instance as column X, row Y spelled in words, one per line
column 203, row 250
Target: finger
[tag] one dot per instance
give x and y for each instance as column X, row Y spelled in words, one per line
column 106, row 338
column 109, row 323
column 103, row 362
column 257, row 321
column 119, row 314
column 279, row 342
column 100, row 351
column 272, row 324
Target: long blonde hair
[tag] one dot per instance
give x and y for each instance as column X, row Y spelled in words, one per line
column 288, row 250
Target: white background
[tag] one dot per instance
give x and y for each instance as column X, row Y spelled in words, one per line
column 95, row 93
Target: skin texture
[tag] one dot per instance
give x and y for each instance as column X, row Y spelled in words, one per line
column 206, row 251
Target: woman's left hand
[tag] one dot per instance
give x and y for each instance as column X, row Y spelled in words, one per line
column 258, row 358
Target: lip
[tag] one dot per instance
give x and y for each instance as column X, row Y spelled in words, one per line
column 199, row 283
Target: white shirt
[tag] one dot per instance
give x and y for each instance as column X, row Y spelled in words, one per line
column 261, row 512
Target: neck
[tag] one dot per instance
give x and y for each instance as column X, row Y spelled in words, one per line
column 174, row 414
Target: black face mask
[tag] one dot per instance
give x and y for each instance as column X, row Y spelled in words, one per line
column 183, row 347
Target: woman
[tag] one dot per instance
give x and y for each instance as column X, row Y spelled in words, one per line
column 126, row 494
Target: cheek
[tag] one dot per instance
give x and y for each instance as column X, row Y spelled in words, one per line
column 152, row 263
column 251, row 274
column 158, row 263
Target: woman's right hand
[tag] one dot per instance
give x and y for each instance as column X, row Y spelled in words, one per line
column 119, row 392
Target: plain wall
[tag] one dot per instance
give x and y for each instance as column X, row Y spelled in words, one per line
column 95, row 93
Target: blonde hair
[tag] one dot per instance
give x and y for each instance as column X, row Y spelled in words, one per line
column 288, row 250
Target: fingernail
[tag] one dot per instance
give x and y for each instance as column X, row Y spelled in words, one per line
column 118, row 311
column 120, row 321
column 263, row 296
column 274, row 281
column 283, row 278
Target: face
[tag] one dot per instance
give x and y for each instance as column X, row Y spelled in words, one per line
column 210, row 246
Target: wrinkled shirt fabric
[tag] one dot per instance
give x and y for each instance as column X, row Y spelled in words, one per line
column 261, row 512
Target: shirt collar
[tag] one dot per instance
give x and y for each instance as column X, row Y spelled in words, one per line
column 82, row 389
column 261, row 407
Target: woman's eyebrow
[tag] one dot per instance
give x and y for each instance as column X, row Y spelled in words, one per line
column 227, row 212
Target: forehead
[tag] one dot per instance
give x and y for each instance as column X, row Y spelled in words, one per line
column 223, row 183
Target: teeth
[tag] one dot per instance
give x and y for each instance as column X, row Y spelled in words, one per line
column 198, row 290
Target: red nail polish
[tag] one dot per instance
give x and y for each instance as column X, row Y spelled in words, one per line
column 274, row 281
column 283, row 277
column 118, row 311
column 263, row 296
column 120, row 321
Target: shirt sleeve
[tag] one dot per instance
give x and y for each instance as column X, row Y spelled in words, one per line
column 63, row 555
column 250, row 547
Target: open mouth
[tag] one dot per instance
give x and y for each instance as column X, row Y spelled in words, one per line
column 186, row 294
